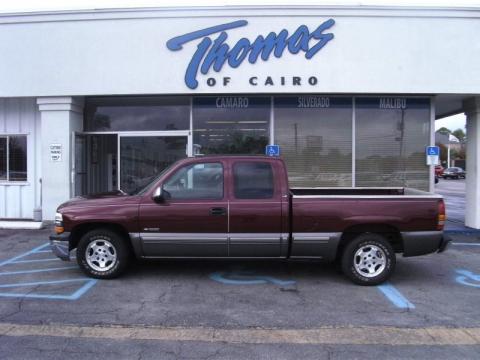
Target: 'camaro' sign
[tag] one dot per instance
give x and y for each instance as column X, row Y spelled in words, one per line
column 214, row 54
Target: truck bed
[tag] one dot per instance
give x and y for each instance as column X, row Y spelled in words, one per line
column 354, row 192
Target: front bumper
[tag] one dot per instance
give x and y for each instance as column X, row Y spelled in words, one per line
column 60, row 245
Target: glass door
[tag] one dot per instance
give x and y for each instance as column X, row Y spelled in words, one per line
column 79, row 178
column 143, row 157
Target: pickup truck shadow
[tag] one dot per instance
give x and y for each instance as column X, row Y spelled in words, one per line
column 246, row 271
column 254, row 271
column 421, row 270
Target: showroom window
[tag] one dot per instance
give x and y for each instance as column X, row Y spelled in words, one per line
column 13, row 158
column 230, row 124
column 137, row 113
column 391, row 135
column 315, row 138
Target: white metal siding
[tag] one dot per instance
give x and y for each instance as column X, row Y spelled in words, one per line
column 20, row 116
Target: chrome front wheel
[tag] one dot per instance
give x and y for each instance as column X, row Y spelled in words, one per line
column 101, row 255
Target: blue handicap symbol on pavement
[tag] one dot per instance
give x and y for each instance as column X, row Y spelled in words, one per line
column 467, row 278
column 433, row 150
column 272, row 150
column 247, row 278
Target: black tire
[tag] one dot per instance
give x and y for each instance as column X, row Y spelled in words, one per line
column 364, row 241
column 117, row 245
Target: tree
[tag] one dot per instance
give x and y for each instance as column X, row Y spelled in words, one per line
column 443, row 153
column 443, row 130
column 460, row 135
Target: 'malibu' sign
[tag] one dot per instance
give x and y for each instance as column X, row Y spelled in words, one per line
column 214, row 54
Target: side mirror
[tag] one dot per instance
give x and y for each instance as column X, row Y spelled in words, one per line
column 158, row 195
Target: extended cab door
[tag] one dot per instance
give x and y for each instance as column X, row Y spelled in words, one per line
column 256, row 210
column 192, row 221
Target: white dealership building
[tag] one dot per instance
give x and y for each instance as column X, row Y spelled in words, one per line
column 100, row 100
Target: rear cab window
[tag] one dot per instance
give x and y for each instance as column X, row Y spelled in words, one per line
column 253, row 180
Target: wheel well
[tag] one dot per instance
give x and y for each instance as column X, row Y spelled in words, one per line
column 82, row 229
column 391, row 233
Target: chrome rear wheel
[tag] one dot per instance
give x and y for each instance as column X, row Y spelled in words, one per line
column 369, row 261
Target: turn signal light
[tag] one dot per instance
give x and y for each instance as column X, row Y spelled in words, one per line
column 59, row 223
column 442, row 217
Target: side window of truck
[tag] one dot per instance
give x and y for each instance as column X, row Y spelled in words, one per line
column 196, row 181
column 253, row 180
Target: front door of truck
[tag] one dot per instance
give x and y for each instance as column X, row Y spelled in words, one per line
column 192, row 221
column 255, row 211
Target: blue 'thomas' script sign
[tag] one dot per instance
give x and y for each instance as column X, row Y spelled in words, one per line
column 272, row 150
column 215, row 53
column 433, row 150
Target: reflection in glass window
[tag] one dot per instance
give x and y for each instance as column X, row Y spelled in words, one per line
column 137, row 113
column 196, row 181
column 253, row 180
column 315, row 138
column 230, row 125
column 13, row 163
column 142, row 158
column 391, row 135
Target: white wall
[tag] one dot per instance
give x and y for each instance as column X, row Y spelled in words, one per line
column 20, row 116
column 60, row 117
column 375, row 50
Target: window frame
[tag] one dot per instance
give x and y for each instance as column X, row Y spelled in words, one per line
column 170, row 176
column 7, row 180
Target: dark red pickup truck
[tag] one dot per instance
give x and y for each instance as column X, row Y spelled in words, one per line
column 242, row 207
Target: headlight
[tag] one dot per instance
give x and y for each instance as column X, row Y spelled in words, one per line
column 59, row 223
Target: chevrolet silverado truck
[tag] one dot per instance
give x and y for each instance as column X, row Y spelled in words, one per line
column 241, row 207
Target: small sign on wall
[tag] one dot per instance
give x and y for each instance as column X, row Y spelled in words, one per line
column 55, row 152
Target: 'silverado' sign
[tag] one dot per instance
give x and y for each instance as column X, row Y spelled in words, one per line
column 214, row 54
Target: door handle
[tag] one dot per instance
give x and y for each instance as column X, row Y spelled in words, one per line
column 218, row 211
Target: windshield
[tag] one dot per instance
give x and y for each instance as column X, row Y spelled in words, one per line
column 143, row 189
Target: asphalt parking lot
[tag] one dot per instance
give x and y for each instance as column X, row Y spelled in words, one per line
column 244, row 310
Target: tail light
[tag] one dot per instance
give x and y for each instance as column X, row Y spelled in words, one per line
column 441, row 215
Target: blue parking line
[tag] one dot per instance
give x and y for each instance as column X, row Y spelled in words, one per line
column 465, row 244
column 395, row 296
column 80, row 292
column 34, row 261
column 35, row 283
column 36, row 270
column 19, row 259
column 33, row 251
column 38, row 296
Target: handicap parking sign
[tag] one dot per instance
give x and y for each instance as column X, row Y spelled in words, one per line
column 433, row 151
column 272, row 150
column 433, row 155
